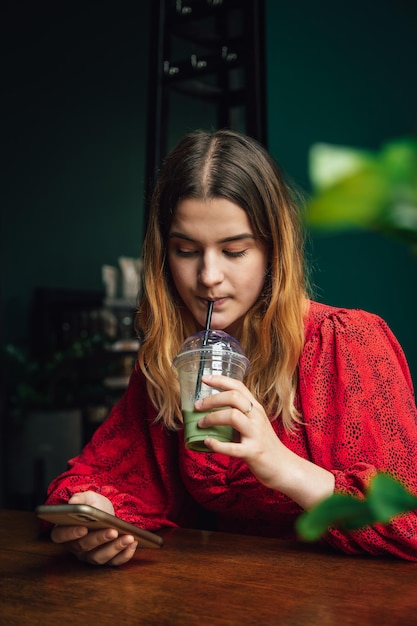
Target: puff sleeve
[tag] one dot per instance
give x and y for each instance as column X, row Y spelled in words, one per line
column 133, row 462
column 360, row 418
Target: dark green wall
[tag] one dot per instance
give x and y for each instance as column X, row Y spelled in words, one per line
column 75, row 124
column 345, row 73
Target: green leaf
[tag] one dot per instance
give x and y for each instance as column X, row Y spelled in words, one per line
column 356, row 201
column 399, row 159
column 366, row 190
column 339, row 510
column 385, row 499
column 330, row 164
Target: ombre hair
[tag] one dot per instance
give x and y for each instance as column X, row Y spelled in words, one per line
column 229, row 165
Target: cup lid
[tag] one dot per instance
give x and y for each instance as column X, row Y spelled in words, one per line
column 212, row 341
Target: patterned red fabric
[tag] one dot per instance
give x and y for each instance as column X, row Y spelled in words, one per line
column 356, row 397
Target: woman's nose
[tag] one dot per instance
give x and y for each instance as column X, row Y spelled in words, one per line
column 210, row 272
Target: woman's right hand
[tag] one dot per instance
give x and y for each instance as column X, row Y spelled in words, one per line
column 98, row 547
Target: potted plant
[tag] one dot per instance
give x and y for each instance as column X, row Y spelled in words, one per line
column 44, row 420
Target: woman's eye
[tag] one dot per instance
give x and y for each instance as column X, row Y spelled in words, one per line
column 185, row 253
column 235, row 255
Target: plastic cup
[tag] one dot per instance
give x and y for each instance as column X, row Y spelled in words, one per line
column 206, row 352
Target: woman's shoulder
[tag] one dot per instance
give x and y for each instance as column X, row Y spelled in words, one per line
column 136, row 398
column 335, row 330
column 324, row 318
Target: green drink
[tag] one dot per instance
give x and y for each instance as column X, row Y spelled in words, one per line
column 206, row 352
column 194, row 435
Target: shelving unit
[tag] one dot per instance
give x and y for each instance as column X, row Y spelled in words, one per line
column 86, row 383
column 212, row 52
column 122, row 351
column 64, row 317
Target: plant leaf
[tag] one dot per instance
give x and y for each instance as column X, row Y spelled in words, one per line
column 366, row 190
column 356, row 201
column 339, row 510
column 385, row 498
column 330, row 164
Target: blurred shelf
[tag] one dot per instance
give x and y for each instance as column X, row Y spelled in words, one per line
column 116, row 382
column 124, row 345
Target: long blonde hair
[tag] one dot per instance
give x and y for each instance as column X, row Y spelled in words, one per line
column 226, row 164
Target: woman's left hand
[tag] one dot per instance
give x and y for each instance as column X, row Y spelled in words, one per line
column 271, row 462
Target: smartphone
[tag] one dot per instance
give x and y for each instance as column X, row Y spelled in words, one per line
column 89, row 516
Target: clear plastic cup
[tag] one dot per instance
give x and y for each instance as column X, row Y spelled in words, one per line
column 206, row 352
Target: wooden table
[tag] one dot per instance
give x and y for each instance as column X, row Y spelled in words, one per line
column 200, row 577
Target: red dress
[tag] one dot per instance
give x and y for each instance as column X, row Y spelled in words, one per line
column 356, row 398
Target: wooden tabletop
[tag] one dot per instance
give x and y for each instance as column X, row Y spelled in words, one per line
column 200, row 577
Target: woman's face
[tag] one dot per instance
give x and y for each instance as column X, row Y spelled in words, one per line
column 213, row 255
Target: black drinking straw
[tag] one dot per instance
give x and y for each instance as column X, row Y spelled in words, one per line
column 205, row 341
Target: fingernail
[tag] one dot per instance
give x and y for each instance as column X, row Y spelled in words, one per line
column 126, row 541
column 111, row 534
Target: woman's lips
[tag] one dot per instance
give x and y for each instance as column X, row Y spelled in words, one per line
column 217, row 301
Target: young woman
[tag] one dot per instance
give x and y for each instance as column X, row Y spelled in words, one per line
column 327, row 403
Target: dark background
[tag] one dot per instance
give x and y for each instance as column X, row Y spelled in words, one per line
column 74, row 139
